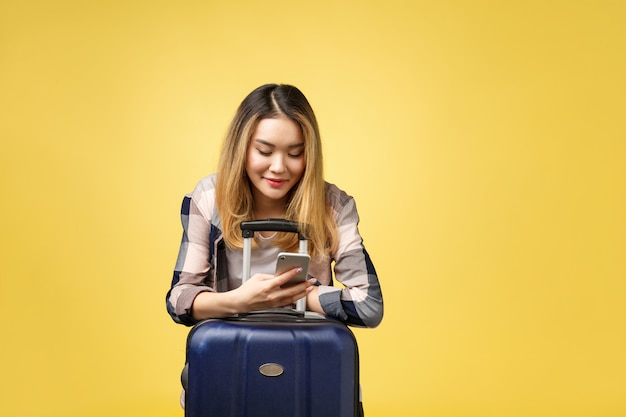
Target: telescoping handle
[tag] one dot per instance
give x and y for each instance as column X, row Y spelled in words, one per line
column 269, row 225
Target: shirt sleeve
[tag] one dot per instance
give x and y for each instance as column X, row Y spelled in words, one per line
column 360, row 302
column 193, row 270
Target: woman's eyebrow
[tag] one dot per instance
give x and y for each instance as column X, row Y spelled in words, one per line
column 266, row 143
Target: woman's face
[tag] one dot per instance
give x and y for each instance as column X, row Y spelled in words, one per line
column 275, row 161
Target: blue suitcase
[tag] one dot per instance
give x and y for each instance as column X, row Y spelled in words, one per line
column 278, row 363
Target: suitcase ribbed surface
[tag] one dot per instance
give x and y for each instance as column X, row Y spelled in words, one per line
column 274, row 369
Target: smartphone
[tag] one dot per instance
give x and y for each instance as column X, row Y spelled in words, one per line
column 289, row 260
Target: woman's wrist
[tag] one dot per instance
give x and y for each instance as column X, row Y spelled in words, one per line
column 313, row 301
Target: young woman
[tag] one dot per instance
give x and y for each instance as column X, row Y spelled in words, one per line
column 271, row 167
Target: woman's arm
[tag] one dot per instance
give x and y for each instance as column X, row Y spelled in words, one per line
column 193, row 268
column 360, row 302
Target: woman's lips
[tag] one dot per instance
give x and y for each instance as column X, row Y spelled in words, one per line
column 275, row 182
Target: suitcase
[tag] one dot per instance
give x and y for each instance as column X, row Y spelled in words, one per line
column 275, row 363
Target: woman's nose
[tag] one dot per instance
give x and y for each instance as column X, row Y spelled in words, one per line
column 278, row 163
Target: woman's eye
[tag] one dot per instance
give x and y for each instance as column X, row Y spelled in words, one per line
column 264, row 153
column 296, row 155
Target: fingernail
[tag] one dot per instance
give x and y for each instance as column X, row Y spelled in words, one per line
column 299, row 270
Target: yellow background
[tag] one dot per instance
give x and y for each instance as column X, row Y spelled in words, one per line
column 484, row 142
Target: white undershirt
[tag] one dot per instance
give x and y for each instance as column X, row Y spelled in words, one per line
column 263, row 260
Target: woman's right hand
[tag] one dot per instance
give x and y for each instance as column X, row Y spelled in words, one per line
column 263, row 291
column 260, row 292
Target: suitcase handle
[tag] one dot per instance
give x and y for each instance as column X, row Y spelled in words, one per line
column 280, row 315
column 272, row 313
column 270, row 225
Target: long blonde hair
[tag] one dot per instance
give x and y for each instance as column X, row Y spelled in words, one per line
column 307, row 203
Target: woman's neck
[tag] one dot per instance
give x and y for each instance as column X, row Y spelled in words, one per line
column 261, row 214
column 265, row 208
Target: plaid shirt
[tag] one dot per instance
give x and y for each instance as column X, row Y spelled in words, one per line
column 202, row 264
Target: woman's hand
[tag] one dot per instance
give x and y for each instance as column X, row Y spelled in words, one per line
column 260, row 292
column 263, row 291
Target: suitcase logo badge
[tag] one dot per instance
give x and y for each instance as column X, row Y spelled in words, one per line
column 271, row 369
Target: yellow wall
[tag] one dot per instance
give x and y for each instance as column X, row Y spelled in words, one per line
column 484, row 141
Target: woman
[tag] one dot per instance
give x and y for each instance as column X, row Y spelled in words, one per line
column 271, row 167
